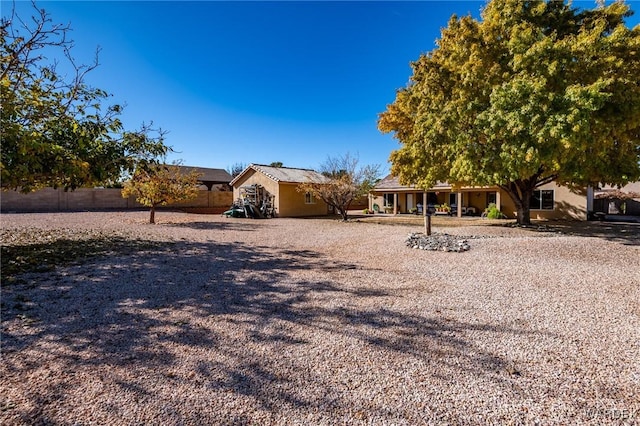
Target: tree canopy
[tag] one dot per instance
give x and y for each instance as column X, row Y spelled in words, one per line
column 533, row 92
column 347, row 181
column 161, row 184
column 236, row 168
column 56, row 130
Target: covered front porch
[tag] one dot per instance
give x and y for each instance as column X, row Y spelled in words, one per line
column 392, row 198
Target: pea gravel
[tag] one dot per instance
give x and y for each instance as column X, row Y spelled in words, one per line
column 313, row 321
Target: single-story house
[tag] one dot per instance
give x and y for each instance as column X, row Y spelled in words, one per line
column 549, row 201
column 281, row 183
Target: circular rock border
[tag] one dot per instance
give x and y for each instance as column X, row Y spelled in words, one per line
column 439, row 242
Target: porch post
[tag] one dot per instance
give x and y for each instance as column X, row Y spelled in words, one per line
column 395, row 203
column 459, row 204
column 498, row 204
column 589, row 200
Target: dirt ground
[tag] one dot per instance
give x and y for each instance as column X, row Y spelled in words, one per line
column 202, row 319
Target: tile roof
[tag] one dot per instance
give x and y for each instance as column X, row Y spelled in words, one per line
column 393, row 183
column 286, row 174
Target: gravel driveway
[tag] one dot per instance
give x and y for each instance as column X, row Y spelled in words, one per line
column 313, row 321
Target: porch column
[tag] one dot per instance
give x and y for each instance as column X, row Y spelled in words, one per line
column 589, row 200
column 395, row 203
column 459, row 204
column 498, row 204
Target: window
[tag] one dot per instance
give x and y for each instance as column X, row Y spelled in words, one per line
column 309, row 198
column 388, row 200
column 542, row 200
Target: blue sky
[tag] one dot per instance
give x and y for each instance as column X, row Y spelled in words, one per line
column 257, row 82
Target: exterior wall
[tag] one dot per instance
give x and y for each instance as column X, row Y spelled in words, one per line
column 252, row 177
column 567, row 204
column 507, row 206
column 49, row 199
column 288, row 201
column 477, row 199
column 360, row 203
column 292, row 203
column 208, row 199
column 376, row 199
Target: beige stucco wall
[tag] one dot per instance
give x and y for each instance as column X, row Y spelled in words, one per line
column 568, row 204
column 292, row 203
column 251, row 178
column 288, row 201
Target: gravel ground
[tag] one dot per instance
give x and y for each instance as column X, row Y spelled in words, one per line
column 314, row 321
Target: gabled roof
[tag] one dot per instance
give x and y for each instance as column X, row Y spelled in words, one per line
column 284, row 174
column 208, row 175
column 392, row 183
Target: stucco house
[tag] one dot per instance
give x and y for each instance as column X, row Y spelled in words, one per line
column 550, row 201
column 281, row 183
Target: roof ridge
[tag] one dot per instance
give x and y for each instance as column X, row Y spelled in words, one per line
column 284, row 167
column 258, row 167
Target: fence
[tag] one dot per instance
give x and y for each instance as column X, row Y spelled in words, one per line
column 52, row 200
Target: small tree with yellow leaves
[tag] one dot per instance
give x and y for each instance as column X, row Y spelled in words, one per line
column 160, row 185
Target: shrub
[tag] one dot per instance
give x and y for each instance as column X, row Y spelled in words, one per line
column 492, row 212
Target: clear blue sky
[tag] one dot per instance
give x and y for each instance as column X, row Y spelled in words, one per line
column 256, row 82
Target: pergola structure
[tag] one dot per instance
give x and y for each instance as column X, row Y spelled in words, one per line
column 210, row 177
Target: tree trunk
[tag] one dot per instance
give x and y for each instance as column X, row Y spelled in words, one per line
column 344, row 214
column 524, row 214
column 152, row 216
column 520, row 193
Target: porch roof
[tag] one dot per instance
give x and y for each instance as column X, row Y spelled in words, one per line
column 392, row 184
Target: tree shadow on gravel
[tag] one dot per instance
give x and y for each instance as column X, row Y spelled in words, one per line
column 620, row 232
column 217, row 226
column 624, row 233
column 239, row 310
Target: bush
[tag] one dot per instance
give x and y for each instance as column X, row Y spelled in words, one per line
column 492, row 212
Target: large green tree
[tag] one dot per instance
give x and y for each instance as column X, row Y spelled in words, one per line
column 533, row 92
column 56, row 130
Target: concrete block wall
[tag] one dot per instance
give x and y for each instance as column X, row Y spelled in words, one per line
column 52, row 200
